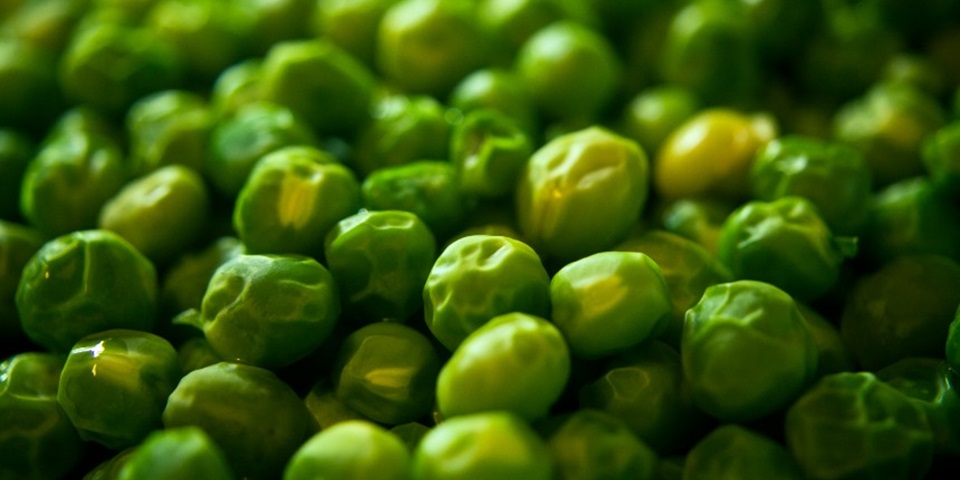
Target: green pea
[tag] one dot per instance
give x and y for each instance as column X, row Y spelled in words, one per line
column 380, row 261
column 162, row 214
column 832, row 176
column 709, row 48
column 852, row 425
column 941, row 157
column 185, row 281
column 115, row 384
column 786, row 243
column 276, row 21
column 37, row 440
column 530, row 348
column 46, row 25
column 291, row 200
column 236, row 86
column 489, row 151
column 326, row 409
column 237, row 142
column 427, row 46
column 687, row 268
column 351, row 450
column 479, row 277
column 930, row 384
column 82, row 283
column 169, row 127
column 387, row 371
column 581, row 192
column 185, row 452
column 609, row 301
column 29, row 95
column 18, row 243
column 590, row 444
column 888, row 124
column 73, row 175
column 736, row 453
column 268, row 310
column 16, row 150
column 320, row 83
column 210, row 35
column 482, row 446
column 902, row 310
column 646, row 389
column 403, row 129
column 496, row 89
column 746, row 351
column 570, row 70
column 653, row 113
column 352, row 25
column 513, row 22
column 911, row 217
column 256, row 418
column 109, row 66
column 698, row 219
column 429, row 189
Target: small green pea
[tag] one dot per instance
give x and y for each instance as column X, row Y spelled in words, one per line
column 489, row 151
column 37, row 439
column 169, row 127
column 581, row 192
column 352, row 450
column 590, row 444
column 429, row 189
column 82, row 283
column 291, row 200
column 530, row 348
column 403, row 129
column 269, row 310
column 609, row 301
column 496, row 89
column 852, row 425
column 185, row 452
column 115, row 384
column 387, row 372
column 482, row 446
column 732, row 452
column 162, row 214
column 380, row 261
column 236, row 86
column 746, row 351
column 256, row 418
column 479, row 277
column 655, row 112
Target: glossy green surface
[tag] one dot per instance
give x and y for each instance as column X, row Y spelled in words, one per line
column 351, row 450
column 404, row 129
column 489, row 151
column 185, row 452
column 427, row 188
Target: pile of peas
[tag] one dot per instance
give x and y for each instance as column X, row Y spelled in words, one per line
column 480, row 239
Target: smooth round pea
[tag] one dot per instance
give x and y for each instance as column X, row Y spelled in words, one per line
column 387, row 372
column 83, row 283
column 882, row 432
column 324, row 85
column 291, row 200
column 429, row 189
column 609, row 302
column 732, row 452
column 746, row 352
column 570, row 70
column 162, row 214
column 352, row 25
column 184, row 452
column 269, row 310
column 380, row 261
column 530, row 348
column 581, row 192
column 590, row 444
column 37, row 439
column 115, row 384
column 784, row 242
column 236, row 86
column 169, row 127
column 482, row 446
column 256, row 418
column 479, row 277
column 427, row 46
column 354, row 450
